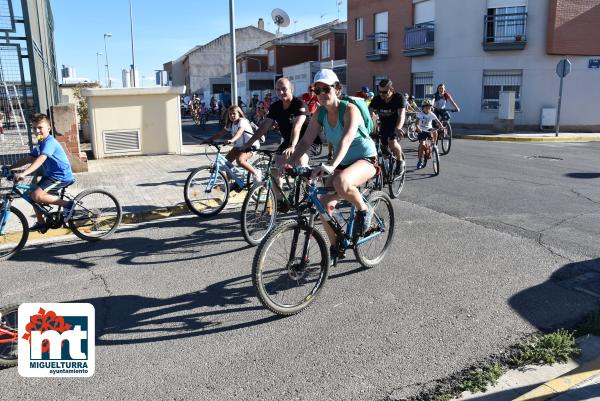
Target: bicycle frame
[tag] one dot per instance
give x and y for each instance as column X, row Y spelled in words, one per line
column 12, row 336
column 20, row 191
column 221, row 164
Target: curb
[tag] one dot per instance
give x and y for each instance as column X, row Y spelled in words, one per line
column 561, row 384
column 595, row 138
column 181, row 209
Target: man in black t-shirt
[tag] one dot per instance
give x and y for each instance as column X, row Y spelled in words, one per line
column 292, row 117
column 390, row 108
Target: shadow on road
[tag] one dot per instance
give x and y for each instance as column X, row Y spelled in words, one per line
column 583, row 175
column 558, row 302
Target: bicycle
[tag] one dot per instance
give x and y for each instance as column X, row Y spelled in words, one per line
column 260, row 208
column 291, row 281
column 96, row 215
column 8, row 336
column 196, row 116
column 432, row 153
column 203, row 117
column 206, row 191
column 445, row 131
column 411, row 127
column 386, row 174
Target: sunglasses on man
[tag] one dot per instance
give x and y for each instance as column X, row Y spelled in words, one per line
column 325, row 90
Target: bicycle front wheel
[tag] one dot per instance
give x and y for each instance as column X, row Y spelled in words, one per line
column 259, row 212
column 15, row 231
column 446, row 138
column 290, row 268
column 206, row 191
column 397, row 180
column 9, row 336
column 435, row 160
column 411, row 132
column 97, row 215
column 371, row 249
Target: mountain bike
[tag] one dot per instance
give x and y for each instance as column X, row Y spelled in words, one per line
column 206, row 191
column 445, row 131
column 291, row 264
column 260, row 207
column 411, row 127
column 96, row 215
column 386, row 174
column 8, row 336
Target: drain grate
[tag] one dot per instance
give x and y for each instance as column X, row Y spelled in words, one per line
column 534, row 157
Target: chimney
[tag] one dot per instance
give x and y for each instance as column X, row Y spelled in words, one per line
column 261, row 24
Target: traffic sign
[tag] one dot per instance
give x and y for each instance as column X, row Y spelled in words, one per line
column 563, row 68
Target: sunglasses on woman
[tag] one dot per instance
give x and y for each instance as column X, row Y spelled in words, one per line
column 325, row 89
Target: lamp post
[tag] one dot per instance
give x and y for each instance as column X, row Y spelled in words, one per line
column 98, row 54
column 107, row 35
column 133, row 83
column 233, row 53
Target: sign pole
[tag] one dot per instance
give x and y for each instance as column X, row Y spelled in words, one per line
column 560, row 90
column 563, row 68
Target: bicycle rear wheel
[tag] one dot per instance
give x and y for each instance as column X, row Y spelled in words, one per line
column 15, row 233
column 411, row 132
column 435, row 160
column 206, row 192
column 446, row 138
column 378, row 238
column 259, row 213
column 396, row 183
column 9, row 336
column 287, row 279
column 96, row 215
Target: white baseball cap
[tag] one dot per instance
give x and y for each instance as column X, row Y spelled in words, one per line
column 326, row 76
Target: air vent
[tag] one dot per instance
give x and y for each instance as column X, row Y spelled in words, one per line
column 122, row 141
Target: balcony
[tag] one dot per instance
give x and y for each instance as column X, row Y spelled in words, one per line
column 378, row 49
column 419, row 40
column 505, row 32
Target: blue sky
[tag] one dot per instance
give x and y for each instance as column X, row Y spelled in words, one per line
column 163, row 30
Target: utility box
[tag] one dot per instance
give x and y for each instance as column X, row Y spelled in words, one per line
column 548, row 120
column 506, row 109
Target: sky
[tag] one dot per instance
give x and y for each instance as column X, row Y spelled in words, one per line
column 163, row 30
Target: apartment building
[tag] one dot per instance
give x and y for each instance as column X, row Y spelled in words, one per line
column 480, row 48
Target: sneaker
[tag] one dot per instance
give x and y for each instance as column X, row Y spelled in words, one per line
column 41, row 227
column 363, row 221
column 419, row 165
column 335, row 255
column 68, row 211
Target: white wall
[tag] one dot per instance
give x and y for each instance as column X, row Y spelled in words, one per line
column 459, row 61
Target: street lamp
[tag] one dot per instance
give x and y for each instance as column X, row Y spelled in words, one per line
column 133, row 83
column 98, row 54
column 107, row 35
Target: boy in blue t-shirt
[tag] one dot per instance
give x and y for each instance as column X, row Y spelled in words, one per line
column 50, row 155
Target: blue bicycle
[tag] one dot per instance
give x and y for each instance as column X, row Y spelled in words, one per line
column 291, row 264
column 96, row 215
column 207, row 188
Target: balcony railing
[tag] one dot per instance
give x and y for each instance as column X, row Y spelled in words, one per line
column 378, row 48
column 505, row 31
column 419, row 39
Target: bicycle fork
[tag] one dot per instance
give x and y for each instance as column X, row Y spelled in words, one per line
column 4, row 216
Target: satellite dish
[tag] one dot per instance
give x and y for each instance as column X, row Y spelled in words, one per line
column 280, row 18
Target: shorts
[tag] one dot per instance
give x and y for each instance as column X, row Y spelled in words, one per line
column 51, row 186
column 313, row 151
column 388, row 133
column 442, row 114
column 424, row 135
column 371, row 160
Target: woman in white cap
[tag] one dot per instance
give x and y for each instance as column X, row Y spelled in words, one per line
column 355, row 156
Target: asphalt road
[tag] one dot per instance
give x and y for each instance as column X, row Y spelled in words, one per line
column 485, row 253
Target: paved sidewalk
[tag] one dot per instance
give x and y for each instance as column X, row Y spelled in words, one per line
column 489, row 135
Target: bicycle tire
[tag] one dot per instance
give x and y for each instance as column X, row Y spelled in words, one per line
column 411, row 132
column 189, row 192
column 97, row 222
column 13, row 241
column 435, row 160
column 447, row 139
column 265, row 212
column 290, row 274
column 9, row 322
column 396, row 183
column 383, row 218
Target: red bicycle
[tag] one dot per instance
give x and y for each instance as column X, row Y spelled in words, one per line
column 8, row 336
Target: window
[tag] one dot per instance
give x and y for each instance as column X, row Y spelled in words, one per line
column 381, row 27
column 506, row 24
column 325, row 48
column 359, row 28
column 496, row 81
column 422, row 83
column 271, row 58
